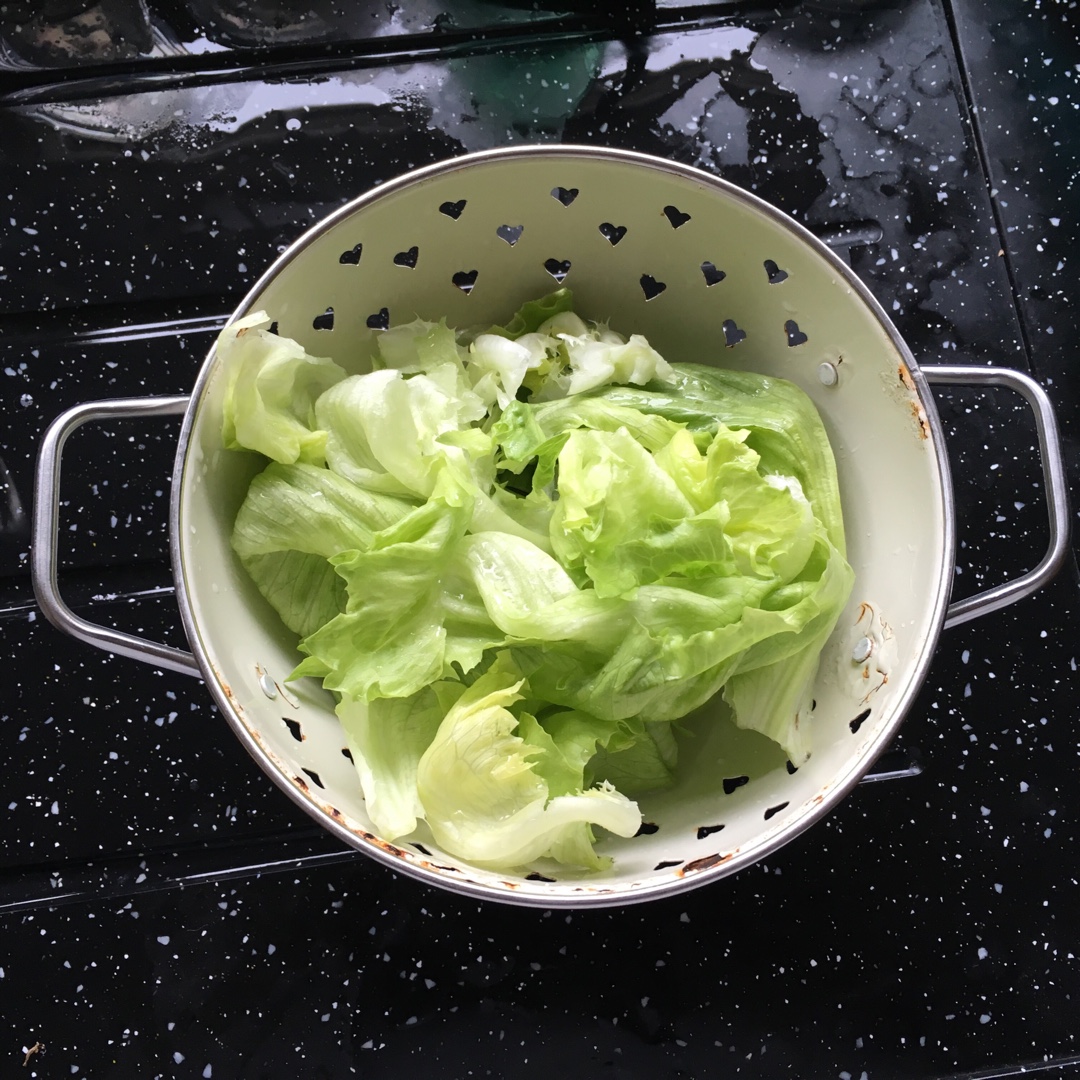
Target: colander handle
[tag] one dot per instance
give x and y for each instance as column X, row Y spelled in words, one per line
column 46, row 521
column 1057, row 492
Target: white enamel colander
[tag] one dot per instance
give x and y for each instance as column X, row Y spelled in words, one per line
column 708, row 273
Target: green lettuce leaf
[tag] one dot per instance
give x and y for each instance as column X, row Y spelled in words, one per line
column 485, row 802
column 271, row 385
column 411, row 614
column 387, row 738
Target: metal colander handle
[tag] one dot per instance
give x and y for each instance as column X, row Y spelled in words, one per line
column 1056, row 487
column 46, row 520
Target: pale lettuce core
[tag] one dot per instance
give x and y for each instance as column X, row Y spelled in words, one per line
column 519, row 556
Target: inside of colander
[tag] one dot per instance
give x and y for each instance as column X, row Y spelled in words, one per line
column 708, row 275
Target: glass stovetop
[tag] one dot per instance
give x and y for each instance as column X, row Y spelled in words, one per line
column 166, row 911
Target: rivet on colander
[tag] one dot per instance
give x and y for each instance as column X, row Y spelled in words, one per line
column 565, row 195
column 352, row 256
column 453, row 209
column 776, row 275
column 863, row 650
column 407, row 258
column 794, row 335
column 325, row 321
column 510, row 233
column 651, row 287
column 557, row 268
column 266, row 684
column 732, row 334
column 465, row 280
column 827, row 374
column 677, row 218
column 379, row 320
column 612, row 233
column 711, row 274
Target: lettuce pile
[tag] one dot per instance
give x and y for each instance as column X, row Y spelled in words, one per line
column 516, row 557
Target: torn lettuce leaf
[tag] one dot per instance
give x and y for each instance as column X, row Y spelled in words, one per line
column 484, row 800
column 271, row 386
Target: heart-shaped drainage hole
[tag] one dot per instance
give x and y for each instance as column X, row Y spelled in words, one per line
column 380, row 320
column 407, row 258
column 510, row 233
column 794, row 335
column 711, row 274
column 776, row 275
column 557, row 268
column 612, row 233
column 465, row 280
column 565, row 195
column 352, row 256
column 732, row 334
column 325, row 321
column 677, row 218
column 453, row 209
column 651, row 287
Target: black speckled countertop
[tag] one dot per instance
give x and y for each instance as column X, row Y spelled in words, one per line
column 164, row 910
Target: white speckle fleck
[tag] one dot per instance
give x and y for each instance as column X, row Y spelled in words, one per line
column 983, row 954
column 1023, row 786
column 985, row 1018
column 163, row 939
column 292, row 124
column 208, row 1072
column 55, row 808
column 270, row 950
column 177, row 1056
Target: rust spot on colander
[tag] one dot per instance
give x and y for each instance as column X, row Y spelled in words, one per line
column 920, row 419
column 706, row 862
column 385, row 845
column 917, row 412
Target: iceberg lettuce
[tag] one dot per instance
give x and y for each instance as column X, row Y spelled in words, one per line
column 518, row 555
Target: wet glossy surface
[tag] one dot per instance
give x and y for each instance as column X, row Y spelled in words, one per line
column 168, row 912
